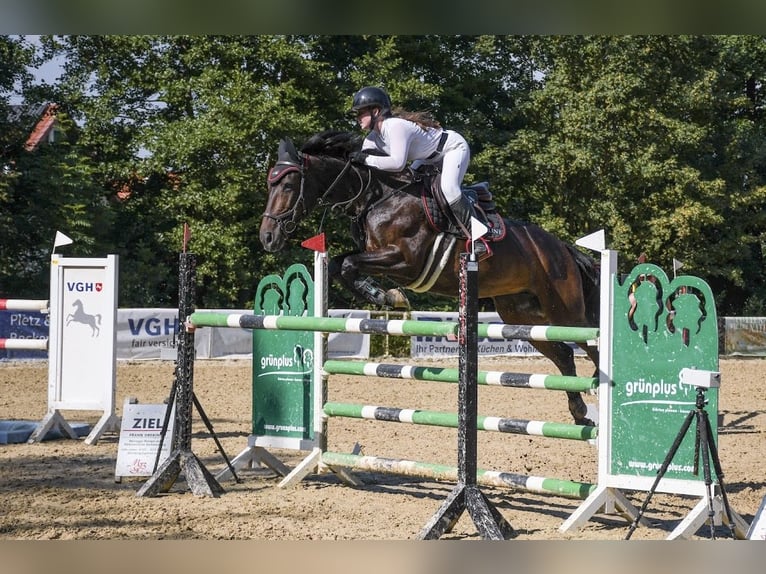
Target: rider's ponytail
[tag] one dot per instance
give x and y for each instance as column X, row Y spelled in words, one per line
column 424, row 119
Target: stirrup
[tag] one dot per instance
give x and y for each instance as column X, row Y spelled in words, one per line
column 482, row 249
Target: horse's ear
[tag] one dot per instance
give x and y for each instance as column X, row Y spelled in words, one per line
column 287, row 151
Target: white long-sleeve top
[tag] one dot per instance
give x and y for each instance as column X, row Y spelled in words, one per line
column 402, row 141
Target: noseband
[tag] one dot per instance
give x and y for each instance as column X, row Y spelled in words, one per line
column 288, row 221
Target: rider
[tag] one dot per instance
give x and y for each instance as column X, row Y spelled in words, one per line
column 413, row 137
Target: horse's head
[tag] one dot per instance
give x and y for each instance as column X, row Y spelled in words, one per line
column 291, row 196
column 286, row 204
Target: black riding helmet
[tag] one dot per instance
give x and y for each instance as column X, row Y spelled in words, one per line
column 372, row 96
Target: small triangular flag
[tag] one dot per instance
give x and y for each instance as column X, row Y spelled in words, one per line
column 677, row 264
column 61, row 239
column 315, row 243
column 595, row 241
column 478, row 229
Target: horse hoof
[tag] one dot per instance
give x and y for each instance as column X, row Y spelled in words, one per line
column 586, row 422
column 396, row 299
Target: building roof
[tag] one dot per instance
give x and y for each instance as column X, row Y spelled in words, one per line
column 44, row 118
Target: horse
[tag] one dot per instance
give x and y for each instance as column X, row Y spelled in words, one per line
column 80, row 316
column 533, row 277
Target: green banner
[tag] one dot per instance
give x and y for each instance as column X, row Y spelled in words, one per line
column 283, row 360
column 660, row 327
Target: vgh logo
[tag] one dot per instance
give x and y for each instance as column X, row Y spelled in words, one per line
column 83, row 287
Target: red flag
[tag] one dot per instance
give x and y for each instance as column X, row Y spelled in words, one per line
column 315, row 243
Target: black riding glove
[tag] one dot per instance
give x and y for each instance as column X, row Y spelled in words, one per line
column 358, row 157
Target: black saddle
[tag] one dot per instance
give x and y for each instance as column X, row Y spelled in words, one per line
column 440, row 215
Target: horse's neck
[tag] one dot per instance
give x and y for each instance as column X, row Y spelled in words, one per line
column 355, row 188
column 353, row 191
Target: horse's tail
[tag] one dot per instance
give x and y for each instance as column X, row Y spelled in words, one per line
column 590, row 273
column 98, row 316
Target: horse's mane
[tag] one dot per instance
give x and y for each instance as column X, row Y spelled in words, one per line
column 332, row 143
column 339, row 145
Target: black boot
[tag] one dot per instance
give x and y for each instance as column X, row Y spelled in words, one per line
column 463, row 210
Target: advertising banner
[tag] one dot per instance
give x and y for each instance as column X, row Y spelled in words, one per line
column 745, row 336
column 660, row 327
column 283, row 389
column 23, row 325
column 431, row 347
column 145, row 334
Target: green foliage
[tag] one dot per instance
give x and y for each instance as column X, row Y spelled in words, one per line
column 659, row 140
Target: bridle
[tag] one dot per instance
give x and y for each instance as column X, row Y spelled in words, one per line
column 287, row 221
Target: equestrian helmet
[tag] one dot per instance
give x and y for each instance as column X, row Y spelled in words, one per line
column 371, row 96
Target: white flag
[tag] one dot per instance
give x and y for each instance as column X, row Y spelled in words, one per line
column 677, row 264
column 478, row 229
column 61, row 239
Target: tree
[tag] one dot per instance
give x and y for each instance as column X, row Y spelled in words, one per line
column 190, row 125
column 42, row 189
column 658, row 140
column 196, row 120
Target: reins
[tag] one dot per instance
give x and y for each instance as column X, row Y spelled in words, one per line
column 341, row 204
column 288, row 221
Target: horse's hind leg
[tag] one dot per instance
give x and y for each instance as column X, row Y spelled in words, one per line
column 592, row 353
column 562, row 356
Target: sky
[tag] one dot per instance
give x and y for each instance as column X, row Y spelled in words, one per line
column 47, row 73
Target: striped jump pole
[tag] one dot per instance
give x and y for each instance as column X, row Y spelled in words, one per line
column 539, row 333
column 391, row 327
column 23, row 304
column 449, row 375
column 24, row 344
column 324, row 324
column 450, row 420
column 491, row 478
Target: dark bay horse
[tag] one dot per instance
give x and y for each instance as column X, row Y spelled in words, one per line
column 533, row 277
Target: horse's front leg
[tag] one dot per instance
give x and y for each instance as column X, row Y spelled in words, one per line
column 348, row 269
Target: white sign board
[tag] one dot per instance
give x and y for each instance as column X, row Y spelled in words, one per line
column 140, row 434
column 82, row 360
column 82, row 351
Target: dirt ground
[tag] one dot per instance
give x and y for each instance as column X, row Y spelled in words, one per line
column 65, row 489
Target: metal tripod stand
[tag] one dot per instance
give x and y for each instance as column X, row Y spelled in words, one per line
column 705, row 444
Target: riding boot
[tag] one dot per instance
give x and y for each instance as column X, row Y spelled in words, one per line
column 463, row 210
